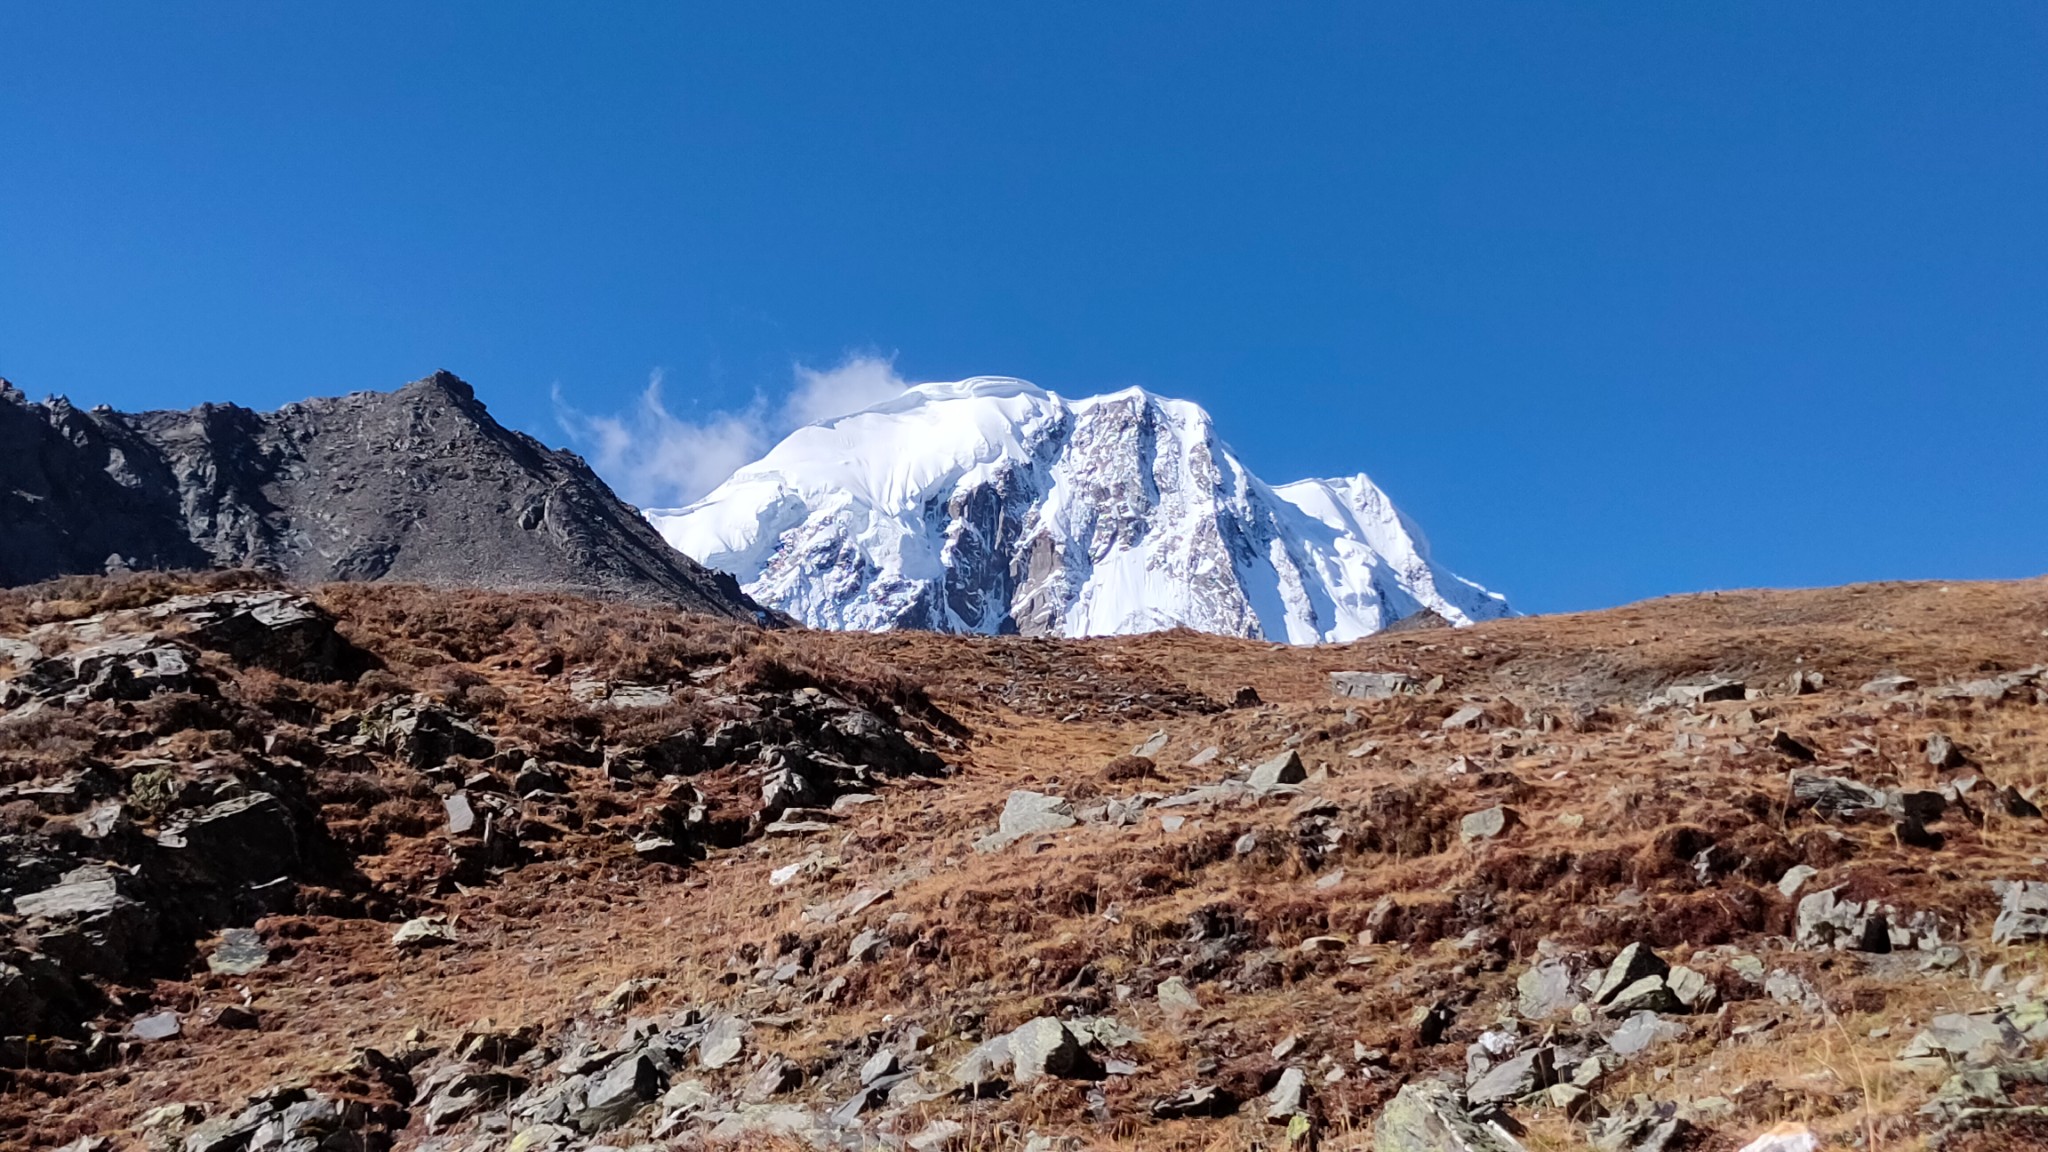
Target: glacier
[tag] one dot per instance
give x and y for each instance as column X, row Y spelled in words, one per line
column 991, row 505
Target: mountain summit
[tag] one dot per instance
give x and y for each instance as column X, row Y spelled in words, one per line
column 991, row 505
column 419, row 485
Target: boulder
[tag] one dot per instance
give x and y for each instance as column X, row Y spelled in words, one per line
column 1028, row 814
column 618, row 1092
column 90, row 925
column 1428, row 1116
column 1280, row 770
column 1635, row 963
column 1289, row 1097
column 1045, row 1047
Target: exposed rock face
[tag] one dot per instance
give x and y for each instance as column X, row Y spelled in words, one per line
column 419, row 485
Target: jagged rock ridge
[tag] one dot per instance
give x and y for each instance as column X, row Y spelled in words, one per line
column 420, row 484
column 993, row 506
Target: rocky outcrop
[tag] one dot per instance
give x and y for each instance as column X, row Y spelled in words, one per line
column 420, row 484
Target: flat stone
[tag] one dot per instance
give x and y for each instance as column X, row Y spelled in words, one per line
column 1514, row 1078
column 1152, row 746
column 461, row 816
column 1795, row 878
column 155, row 1026
column 2022, row 912
column 1641, row 1031
column 1205, row 757
column 1470, row 716
column 1890, row 686
column 1373, row 685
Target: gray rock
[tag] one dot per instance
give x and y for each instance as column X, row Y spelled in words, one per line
column 1028, row 814
column 1373, row 685
column 1152, row 746
column 1176, row 997
column 722, row 1042
column 2022, row 912
column 1428, row 1116
column 155, row 1026
column 1891, row 686
column 1973, row 1038
column 1044, row 1047
column 1470, row 716
column 422, row 932
column 1514, row 1078
column 1795, row 878
column 1546, row 989
column 1289, row 1097
column 1836, row 796
column 1280, row 770
column 1641, row 1031
column 1650, row 994
column 1487, row 823
column 240, row 952
column 461, row 817
column 1707, row 691
column 1635, row 962
column 882, row 1063
column 617, row 1093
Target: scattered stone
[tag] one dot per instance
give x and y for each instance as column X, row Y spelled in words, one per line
column 1514, row 1078
column 1487, row 823
column 1027, row 814
column 722, row 1042
column 1943, row 753
column 1546, row 989
column 1635, row 963
column 1470, row 716
column 1176, row 997
column 240, row 952
column 1428, row 1116
column 1708, row 691
column 2022, row 911
column 1246, row 696
column 1205, row 1100
column 1205, row 757
column 1786, row 1137
column 938, row 1136
column 422, row 932
column 1044, row 1047
column 1288, row 1098
column 1972, row 1038
column 617, row 1093
column 1641, row 1031
column 461, row 816
column 1890, row 686
column 1280, row 770
column 1152, row 746
column 1795, row 878
column 1806, row 683
column 1837, row 796
column 155, row 1026
column 1373, row 685
column 237, row 1018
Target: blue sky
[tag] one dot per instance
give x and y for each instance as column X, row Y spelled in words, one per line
column 1615, row 299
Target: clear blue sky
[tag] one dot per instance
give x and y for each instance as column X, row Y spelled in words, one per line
column 1616, row 299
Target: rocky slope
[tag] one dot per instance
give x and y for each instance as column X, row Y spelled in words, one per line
column 420, row 484
column 375, row 866
column 992, row 506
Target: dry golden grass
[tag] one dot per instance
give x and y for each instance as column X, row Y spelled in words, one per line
column 1004, row 937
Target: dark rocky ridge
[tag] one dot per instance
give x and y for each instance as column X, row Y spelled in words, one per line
column 417, row 485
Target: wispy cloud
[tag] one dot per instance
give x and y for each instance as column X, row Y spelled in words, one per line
column 657, row 459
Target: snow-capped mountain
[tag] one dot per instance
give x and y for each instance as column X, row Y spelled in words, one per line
column 992, row 505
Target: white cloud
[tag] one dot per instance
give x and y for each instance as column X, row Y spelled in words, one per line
column 657, row 459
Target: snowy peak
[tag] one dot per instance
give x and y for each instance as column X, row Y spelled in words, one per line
column 991, row 505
